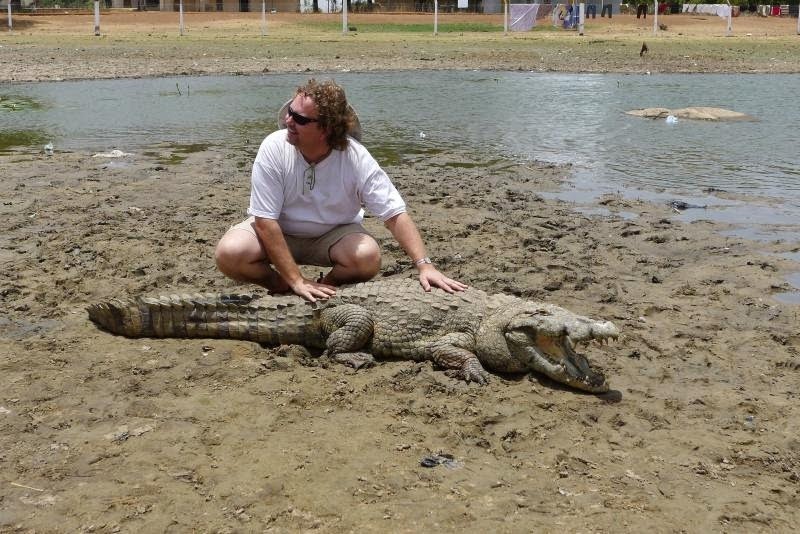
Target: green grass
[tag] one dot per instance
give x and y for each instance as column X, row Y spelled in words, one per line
column 176, row 152
column 18, row 103
column 448, row 27
column 21, row 138
column 396, row 153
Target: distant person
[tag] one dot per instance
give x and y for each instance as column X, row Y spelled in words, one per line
column 309, row 183
column 641, row 10
column 566, row 14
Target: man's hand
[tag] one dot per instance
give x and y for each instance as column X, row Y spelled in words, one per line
column 311, row 291
column 429, row 276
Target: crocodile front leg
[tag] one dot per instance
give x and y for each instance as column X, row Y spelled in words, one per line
column 349, row 328
column 459, row 362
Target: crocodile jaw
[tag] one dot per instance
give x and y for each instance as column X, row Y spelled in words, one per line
column 570, row 368
column 544, row 343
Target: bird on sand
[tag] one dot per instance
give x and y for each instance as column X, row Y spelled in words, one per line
column 643, row 51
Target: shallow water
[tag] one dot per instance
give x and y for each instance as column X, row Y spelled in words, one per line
column 561, row 118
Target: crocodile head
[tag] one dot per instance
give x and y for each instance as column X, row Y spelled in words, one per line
column 543, row 338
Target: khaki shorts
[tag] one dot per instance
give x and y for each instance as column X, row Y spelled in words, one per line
column 310, row 250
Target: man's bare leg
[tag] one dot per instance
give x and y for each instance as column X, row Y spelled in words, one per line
column 240, row 256
column 356, row 258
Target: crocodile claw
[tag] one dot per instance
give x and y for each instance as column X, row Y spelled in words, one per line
column 356, row 360
column 468, row 375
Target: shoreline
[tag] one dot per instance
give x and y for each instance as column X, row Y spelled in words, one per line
column 761, row 232
column 716, row 200
column 332, row 72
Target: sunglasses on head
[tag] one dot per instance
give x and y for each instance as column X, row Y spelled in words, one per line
column 302, row 120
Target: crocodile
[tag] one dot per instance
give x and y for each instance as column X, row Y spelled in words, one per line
column 464, row 333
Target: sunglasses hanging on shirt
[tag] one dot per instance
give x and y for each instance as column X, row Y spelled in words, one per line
column 309, row 178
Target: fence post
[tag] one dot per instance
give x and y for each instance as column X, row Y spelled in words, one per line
column 581, row 17
column 180, row 17
column 729, row 30
column 97, row 18
column 344, row 17
column 435, row 17
column 655, row 17
column 263, row 18
column 11, row 26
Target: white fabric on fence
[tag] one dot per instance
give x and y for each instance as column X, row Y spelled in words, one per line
column 720, row 10
column 523, row 17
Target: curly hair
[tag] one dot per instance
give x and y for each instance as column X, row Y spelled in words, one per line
column 335, row 115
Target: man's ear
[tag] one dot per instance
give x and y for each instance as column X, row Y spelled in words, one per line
column 323, row 135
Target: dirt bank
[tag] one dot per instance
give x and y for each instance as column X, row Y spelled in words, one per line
column 149, row 44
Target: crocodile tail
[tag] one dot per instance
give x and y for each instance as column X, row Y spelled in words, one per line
column 178, row 316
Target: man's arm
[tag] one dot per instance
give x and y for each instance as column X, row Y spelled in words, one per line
column 278, row 254
column 405, row 232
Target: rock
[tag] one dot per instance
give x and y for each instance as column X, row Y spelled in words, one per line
column 694, row 113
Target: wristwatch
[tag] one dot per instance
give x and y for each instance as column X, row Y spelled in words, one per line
column 422, row 261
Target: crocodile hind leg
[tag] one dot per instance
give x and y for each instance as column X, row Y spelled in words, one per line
column 349, row 328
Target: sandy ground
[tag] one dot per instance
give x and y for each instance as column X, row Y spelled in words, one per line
column 105, row 434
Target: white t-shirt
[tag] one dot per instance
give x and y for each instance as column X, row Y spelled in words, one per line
column 343, row 182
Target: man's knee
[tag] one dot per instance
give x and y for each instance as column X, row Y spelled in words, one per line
column 358, row 251
column 234, row 249
column 224, row 255
column 370, row 257
column 367, row 256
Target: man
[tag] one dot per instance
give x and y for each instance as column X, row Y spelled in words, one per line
column 309, row 183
